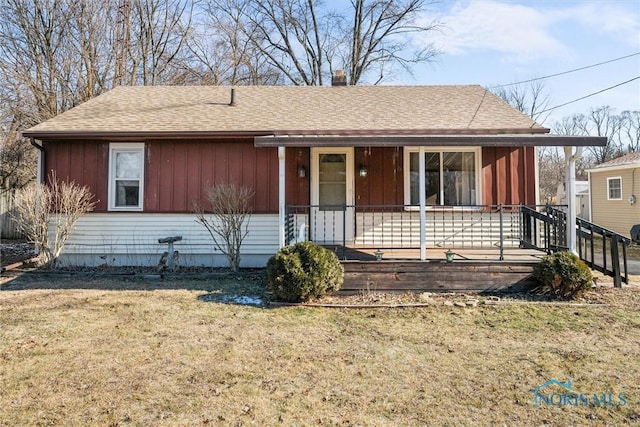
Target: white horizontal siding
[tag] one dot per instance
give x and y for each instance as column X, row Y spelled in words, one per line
column 451, row 229
column 132, row 239
column 444, row 228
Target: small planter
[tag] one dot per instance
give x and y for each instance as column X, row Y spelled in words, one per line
column 449, row 254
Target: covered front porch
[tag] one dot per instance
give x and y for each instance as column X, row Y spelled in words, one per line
column 394, row 207
column 468, row 249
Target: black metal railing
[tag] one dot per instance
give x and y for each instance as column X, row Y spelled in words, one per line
column 600, row 248
column 398, row 226
column 544, row 228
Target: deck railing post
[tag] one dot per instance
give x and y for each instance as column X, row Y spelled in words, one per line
column 500, row 209
column 344, row 232
column 615, row 262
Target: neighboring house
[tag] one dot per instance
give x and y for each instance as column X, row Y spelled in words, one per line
column 615, row 188
column 352, row 159
column 582, row 202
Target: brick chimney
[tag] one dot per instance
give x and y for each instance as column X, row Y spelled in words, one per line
column 339, row 79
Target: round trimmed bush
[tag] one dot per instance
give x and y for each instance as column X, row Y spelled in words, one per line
column 563, row 275
column 302, row 272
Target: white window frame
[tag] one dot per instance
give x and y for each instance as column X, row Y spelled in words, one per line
column 120, row 147
column 613, row 178
column 441, row 149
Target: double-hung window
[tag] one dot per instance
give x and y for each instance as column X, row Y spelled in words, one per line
column 126, row 176
column 614, row 188
column 451, row 176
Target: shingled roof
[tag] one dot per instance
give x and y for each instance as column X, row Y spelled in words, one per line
column 628, row 160
column 289, row 110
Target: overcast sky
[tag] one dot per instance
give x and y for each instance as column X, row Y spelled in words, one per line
column 491, row 42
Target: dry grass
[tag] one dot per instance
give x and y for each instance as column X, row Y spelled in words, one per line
column 92, row 355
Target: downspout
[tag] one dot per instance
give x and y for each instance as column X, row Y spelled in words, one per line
column 39, row 172
column 423, row 204
column 570, row 184
column 281, row 196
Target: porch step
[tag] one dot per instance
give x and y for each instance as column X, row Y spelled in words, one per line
column 438, row 276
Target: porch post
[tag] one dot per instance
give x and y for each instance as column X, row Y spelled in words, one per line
column 423, row 204
column 281, row 196
column 570, row 193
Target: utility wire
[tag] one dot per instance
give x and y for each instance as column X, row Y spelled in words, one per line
column 587, row 96
column 566, row 72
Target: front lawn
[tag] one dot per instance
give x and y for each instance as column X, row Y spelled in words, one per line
column 115, row 352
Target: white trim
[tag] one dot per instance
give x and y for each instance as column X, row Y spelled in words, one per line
column 315, row 152
column 281, row 195
column 328, row 235
column 614, row 167
column 611, row 178
column 423, row 204
column 429, row 149
column 536, row 174
column 119, row 147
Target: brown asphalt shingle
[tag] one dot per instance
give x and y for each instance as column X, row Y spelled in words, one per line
column 290, row 109
column 627, row 159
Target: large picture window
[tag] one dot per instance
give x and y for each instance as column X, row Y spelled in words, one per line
column 451, row 177
column 126, row 173
column 614, row 188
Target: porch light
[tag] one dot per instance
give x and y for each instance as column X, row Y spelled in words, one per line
column 302, row 171
column 378, row 253
column 363, row 171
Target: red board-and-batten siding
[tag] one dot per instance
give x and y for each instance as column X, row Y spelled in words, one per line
column 177, row 172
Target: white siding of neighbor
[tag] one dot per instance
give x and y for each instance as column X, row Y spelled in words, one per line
column 132, row 239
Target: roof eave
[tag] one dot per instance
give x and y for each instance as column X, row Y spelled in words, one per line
column 597, row 169
column 137, row 135
column 499, row 140
column 141, row 135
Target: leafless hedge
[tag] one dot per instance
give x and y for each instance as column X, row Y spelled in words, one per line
column 48, row 213
column 227, row 221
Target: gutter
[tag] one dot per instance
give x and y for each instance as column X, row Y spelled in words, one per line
column 137, row 135
column 33, row 142
column 487, row 140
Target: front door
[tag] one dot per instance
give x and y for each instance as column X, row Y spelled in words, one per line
column 332, row 195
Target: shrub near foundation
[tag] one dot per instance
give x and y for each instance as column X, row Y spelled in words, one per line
column 563, row 275
column 302, row 272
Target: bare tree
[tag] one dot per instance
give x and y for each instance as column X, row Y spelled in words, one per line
column 379, row 36
column 573, row 125
column 630, row 131
column 531, row 99
column 224, row 53
column 17, row 162
column 48, row 213
column 306, row 40
column 228, row 219
column 34, row 69
column 602, row 121
column 159, row 32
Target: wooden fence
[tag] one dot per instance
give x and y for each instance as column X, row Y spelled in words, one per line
column 8, row 226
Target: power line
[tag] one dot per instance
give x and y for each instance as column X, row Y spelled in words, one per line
column 566, row 72
column 591, row 94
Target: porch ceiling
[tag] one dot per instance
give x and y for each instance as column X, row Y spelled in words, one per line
column 502, row 140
